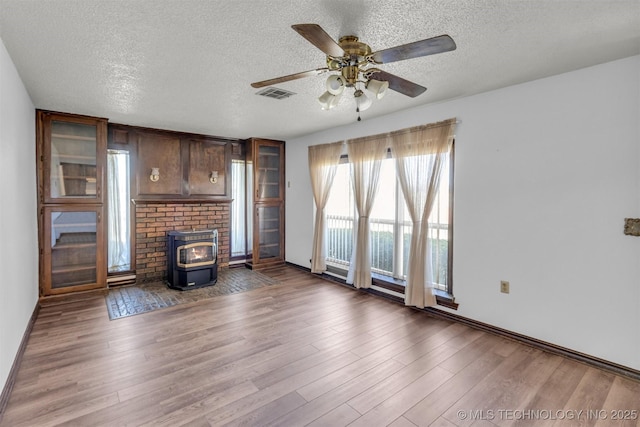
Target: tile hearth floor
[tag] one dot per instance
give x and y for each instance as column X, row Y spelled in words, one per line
column 136, row 299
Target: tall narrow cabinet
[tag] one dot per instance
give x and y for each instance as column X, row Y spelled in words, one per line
column 71, row 154
column 265, row 188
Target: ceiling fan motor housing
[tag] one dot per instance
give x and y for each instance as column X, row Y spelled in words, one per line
column 355, row 53
column 350, row 74
column 352, row 46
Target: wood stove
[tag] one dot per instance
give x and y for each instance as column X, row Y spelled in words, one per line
column 192, row 259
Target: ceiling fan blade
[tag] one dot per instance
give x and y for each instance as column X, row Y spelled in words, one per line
column 431, row 46
column 289, row 77
column 399, row 84
column 319, row 38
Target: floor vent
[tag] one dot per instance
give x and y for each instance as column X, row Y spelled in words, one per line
column 274, row 92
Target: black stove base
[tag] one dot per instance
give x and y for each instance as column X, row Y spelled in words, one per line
column 184, row 280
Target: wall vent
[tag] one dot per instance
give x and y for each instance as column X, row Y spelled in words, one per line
column 274, row 92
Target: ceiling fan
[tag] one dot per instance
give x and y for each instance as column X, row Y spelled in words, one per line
column 354, row 61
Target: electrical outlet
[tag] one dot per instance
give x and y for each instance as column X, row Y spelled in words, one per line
column 504, row 286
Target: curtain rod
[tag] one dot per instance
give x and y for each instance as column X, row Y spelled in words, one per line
column 434, row 125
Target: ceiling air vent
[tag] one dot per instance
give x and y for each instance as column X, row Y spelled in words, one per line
column 274, row 92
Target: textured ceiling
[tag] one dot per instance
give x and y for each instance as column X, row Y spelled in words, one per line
column 187, row 65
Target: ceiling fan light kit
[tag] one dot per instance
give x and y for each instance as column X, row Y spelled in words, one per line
column 363, row 102
column 335, row 84
column 352, row 59
column 377, row 87
column 328, row 100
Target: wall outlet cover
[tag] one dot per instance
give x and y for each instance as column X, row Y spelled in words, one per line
column 504, row 286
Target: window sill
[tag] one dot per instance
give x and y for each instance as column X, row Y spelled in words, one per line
column 442, row 298
column 396, row 285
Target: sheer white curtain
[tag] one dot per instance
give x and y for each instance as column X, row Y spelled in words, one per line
column 365, row 155
column 323, row 162
column 420, row 153
column 119, row 253
column 238, row 208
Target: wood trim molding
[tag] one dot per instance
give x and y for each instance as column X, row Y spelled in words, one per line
column 539, row 344
column 179, row 200
column 533, row 342
column 6, row 390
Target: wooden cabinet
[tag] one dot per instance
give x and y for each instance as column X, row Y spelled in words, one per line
column 159, row 168
column 73, row 254
column 72, row 154
column 269, row 218
column 208, row 165
column 170, row 165
column 265, row 177
column 71, row 151
column 268, row 171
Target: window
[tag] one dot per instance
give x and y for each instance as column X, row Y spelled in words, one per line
column 390, row 225
column 238, row 209
column 241, row 232
column 119, row 230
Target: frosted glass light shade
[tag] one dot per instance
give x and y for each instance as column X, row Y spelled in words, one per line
column 364, row 102
column 377, row 87
column 335, row 84
column 328, row 100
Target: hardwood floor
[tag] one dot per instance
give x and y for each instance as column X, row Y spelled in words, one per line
column 305, row 352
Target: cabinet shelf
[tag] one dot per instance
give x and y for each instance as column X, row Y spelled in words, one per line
column 75, row 157
column 73, row 137
column 73, row 268
column 70, row 284
column 269, row 245
column 82, row 178
column 67, row 246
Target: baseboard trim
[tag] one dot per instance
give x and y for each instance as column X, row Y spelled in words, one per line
column 539, row 344
column 533, row 342
column 11, row 379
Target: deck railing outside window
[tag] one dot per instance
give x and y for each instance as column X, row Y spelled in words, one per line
column 340, row 246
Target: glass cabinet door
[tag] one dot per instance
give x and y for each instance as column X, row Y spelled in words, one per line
column 72, row 252
column 269, row 237
column 72, row 164
column 265, row 202
column 268, row 172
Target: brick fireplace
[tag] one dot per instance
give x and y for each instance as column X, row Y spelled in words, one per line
column 154, row 219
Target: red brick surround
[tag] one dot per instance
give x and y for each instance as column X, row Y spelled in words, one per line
column 154, row 219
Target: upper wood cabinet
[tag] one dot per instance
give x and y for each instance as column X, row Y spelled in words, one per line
column 72, row 153
column 175, row 165
column 266, row 158
column 159, row 167
column 208, row 167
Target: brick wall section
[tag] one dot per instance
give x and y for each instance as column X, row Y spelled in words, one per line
column 154, row 220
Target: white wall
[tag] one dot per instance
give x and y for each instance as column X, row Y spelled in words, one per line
column 545, row 174
column 18, row 224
